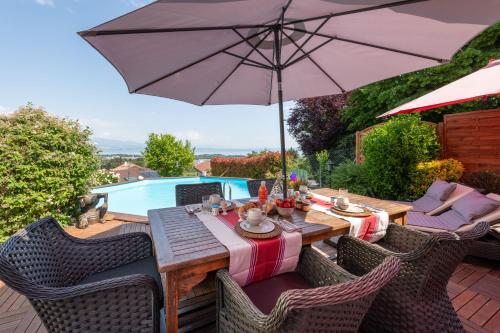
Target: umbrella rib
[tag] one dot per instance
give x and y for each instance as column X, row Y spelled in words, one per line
column 93, row 33
column 271, row 85
column 253, row 46
column 308, row 39
column 316, row 64
column 256, row 63
column 360, row 10
column 234, row 69
column 369, row 45
column 197, row 61
column 306, row 54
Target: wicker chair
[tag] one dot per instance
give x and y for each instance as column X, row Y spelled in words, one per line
column 188, row 194
column 78, row 285
column 254, row 185
column 416, row 300
column 334, row 300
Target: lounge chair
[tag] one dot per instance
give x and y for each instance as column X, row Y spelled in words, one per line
column 416, row 300
column 188, row 194
column 431, row 205
column 319, row 297
column 105, row 285
column 452, row 220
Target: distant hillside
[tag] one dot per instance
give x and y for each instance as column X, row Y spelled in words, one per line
column 115, row 147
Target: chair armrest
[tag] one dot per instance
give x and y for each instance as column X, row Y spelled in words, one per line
column 404, row 239
column 107, row 253
column 321, row 271
column 233, row 302
column 360, row 257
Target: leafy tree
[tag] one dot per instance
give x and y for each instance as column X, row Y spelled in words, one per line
column 167, row 155
column 372, row 100
column 46, row 163
column 315, row 122
column 393, row 151
column 322, row 159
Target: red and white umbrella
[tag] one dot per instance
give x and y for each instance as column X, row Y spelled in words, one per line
column 481, row 84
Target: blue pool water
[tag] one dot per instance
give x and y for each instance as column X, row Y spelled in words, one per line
column 138, row 197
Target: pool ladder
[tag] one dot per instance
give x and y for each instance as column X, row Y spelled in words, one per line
column 226, row 183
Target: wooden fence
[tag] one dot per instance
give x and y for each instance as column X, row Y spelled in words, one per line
column 473, row 138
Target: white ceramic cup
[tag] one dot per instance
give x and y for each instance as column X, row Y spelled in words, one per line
column 255, row 216
column 343, row 202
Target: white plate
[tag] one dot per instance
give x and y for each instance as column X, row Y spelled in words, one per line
column 262, row 228
column 351, row 209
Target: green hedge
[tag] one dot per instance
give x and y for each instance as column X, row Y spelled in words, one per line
column 393, row 151
column 261, row 166
column 46, row 163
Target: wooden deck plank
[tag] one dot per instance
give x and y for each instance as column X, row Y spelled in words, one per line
column 493, row 325
column 486, row 312
column 469, row 309
column 489, row 286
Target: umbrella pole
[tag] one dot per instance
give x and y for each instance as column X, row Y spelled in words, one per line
column 280, row 103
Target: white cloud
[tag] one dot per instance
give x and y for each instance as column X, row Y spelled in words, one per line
column 50, row 3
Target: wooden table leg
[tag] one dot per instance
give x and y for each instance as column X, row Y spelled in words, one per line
column 177, row 285
column 172, row 302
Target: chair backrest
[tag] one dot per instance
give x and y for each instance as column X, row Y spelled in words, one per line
column 335, row 308
column 188, row 194
column 254, row 185
column 36, row 254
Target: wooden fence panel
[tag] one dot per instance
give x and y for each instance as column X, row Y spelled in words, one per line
column 473, row 138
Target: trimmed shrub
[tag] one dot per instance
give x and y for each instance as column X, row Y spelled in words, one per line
column 261, row 166
column 485, row 180
column 351, row 176
column 426, row 173
column 46, row 163
column 393, row 151
column 103, row 177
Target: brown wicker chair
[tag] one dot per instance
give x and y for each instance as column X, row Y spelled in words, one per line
column 75, row 285
column 416, row 300
column 334, row 300
column 254, row 185
column 188, row 194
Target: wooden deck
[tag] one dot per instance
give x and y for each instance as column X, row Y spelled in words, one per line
column 474, row 289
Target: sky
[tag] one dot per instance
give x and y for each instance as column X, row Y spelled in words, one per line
column 44, row 61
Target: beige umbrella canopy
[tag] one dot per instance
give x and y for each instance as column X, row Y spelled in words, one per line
column 267, row 51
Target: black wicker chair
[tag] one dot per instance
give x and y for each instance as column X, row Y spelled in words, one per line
column 76, row 285
column 188, row 194
column 319, row 297
column 416, row 300
column 254, row 185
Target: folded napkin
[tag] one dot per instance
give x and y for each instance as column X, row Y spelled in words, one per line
column 286, row 226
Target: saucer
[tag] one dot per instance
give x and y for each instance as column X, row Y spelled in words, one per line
column 351, row 209
column 262, row 228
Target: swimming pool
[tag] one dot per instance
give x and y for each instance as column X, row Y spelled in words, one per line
column 138, row 197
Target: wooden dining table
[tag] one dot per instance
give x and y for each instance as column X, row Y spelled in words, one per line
column 186, row 251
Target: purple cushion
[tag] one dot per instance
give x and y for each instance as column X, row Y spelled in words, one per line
column 440, row 190
column 474, row 205
column 449, row 220
column 264, row 294
column 425, row 204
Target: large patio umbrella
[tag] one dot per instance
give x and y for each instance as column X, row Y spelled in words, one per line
column 481, row 84
column 267, row 51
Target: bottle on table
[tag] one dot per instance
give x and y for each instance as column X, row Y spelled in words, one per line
column 262, row 193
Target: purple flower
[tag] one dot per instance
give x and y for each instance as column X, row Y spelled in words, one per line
column 293, row 176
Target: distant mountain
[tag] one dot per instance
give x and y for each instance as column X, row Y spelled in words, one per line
column 111, row 146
